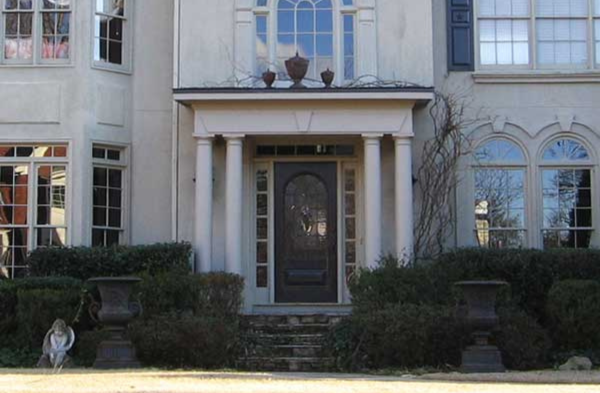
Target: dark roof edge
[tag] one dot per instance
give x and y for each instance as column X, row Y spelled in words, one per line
column 246, row 90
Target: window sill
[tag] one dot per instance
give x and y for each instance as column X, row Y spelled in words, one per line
column 49, row 65
column 126, row 70
column 537, row 77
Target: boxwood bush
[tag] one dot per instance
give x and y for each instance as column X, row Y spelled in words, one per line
column 574, row 312
column 540, row 314
column 87, row 262
column 189, row 321
column 28, row 307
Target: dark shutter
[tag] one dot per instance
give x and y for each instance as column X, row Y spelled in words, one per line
column 460, row 35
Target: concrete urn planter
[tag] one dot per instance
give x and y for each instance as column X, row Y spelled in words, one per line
column 115, row 313
column 482, row 357
column 297, row 68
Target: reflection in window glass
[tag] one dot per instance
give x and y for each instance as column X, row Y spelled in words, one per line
column 566, row 150
column 262, row 227
column 567, row 203
column 500, row 207
column 499, row 150
column 18, row 30
column 56, row 21
column 349, row 47
column 107, row 212
column 110, row 24
column 306, row 27
column 32, row 204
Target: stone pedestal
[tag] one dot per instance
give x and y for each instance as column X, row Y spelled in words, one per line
column 116, row 353
column 482, row 359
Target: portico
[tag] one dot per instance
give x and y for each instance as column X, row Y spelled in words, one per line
column 338, row 129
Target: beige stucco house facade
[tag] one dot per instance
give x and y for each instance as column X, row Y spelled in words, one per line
column 147, row 121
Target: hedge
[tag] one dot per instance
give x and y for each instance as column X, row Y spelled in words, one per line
column 85, row 262
column 574, row 315
column 545, row 313
column 189, row 321
column 28, row 307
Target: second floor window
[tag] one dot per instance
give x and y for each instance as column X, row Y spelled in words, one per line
column 322, row 31
column 111, row 34
column 36, row 31
column 539, row 34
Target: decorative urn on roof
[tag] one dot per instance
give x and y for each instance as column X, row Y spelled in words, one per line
column 268, row 78
column 327, row 77
column 297, row 67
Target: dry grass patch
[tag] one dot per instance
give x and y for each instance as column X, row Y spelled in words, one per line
column 150, row 381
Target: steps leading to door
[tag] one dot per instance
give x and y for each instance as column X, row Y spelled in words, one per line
column 288, row 342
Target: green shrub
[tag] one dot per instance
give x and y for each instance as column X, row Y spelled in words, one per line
column 85, row 262
column 524, row 344
column 409, row 336
column 185, row 341
column 530, row 273
column 37, row 309
column 18, row 357
column 392, row 283
column 86, row 345
column 211, row 294
column 8, row 297
column 574, row 312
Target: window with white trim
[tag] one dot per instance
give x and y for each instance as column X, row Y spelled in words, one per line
column 499, row 186
column 111, row 34
column 322, row 31
column 36, row 31
column 567, row 195
column 539, row 34
column 33, row 202
column 108, row 220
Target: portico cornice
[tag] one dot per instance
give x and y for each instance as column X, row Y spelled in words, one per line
column 192, row 95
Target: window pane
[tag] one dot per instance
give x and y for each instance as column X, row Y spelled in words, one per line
column 114, row 7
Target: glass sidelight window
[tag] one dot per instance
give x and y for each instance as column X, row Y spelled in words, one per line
column 262, row 227
column 350, row 221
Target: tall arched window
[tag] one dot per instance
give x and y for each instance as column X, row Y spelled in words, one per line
column 567, row 195
column 319, row 30
column 499, row 186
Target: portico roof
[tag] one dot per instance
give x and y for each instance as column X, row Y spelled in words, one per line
column 189, row 95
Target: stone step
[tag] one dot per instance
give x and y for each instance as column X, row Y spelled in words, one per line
column 294, row 364
column 308, row 328
column 287, row 351
column 287, row 339
column 292, row 319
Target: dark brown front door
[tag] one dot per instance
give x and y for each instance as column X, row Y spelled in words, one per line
column 305, row 233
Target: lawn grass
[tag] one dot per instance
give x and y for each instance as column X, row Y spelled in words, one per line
column 150, row 381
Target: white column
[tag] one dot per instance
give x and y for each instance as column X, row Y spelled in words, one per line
column 404, row 198
column 233, row 205
column 372, row 199
column 204, row 200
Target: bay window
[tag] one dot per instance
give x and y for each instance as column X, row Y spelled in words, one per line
column 111, row 34
column 33, row 202
column 36, row 31
column 108, row 219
